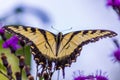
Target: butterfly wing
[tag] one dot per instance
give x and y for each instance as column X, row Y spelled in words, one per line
column 72, row 43
column 43, row 42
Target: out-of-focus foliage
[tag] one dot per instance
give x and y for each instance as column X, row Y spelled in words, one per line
column 13, row 61
column 16, row 15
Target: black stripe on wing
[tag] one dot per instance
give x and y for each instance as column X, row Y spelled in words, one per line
column 46, row 39
column 111, row 34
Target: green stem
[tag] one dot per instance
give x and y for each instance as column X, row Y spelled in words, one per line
column 4, row 74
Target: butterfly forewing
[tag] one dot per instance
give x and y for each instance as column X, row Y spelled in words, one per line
column 44, row 42
column 77, row 39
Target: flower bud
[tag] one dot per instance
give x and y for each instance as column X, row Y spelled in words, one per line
column 3, row 37
column 4, row 60
column 9, row 70
column 27, row 70
column 21, row 62
column 30, row 77
column 18, row 76
column 22, row 43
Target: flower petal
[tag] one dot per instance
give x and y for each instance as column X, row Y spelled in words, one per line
column 113, row 2
column 116, row 55
column 5, row 45
column 12, row 43
column 15, row 47
column 13, row 40
column 2, row 31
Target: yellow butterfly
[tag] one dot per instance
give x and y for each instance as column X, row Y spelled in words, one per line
column 60, row 49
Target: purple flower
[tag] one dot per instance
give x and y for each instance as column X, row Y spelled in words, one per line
column 12, row 43
column 79, row 76
column 90, row 77
column 2, row 31
column 97, row 76
column 113, row 2
column 101, row 76
column 116, row 55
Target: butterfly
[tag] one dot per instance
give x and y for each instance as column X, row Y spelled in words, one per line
column 61, row 49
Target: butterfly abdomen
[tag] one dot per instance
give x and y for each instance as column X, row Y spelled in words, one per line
column 58, row 41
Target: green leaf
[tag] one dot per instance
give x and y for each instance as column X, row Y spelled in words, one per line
column 2, row 77
column 2, row 66
column 26, row 52
column 13, row 61
column 41, row 78
column 8, row 35
column 1, row 42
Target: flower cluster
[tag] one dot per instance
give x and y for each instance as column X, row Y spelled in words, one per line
column 115, row 4
column 13, row 44
column 97, row 76
column 18, row 74
column 116, row 53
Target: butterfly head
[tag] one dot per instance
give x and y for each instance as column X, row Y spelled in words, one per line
column 59, row 35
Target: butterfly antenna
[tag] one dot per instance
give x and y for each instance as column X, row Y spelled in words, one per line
column 62, row 31
column 67, row 29
column 55, row 29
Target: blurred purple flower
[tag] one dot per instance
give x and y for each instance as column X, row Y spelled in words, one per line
column 2, row 31
column 12, row 43
column 113, row 2
column 116, row 55
column 90, row 77
column 80, row 78
column 101, row 76
column 78, row 75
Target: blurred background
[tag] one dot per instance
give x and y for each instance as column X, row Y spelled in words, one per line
column 64, row 14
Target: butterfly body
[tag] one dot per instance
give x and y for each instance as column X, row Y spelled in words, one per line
column 61, row 49
column 58, row 41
